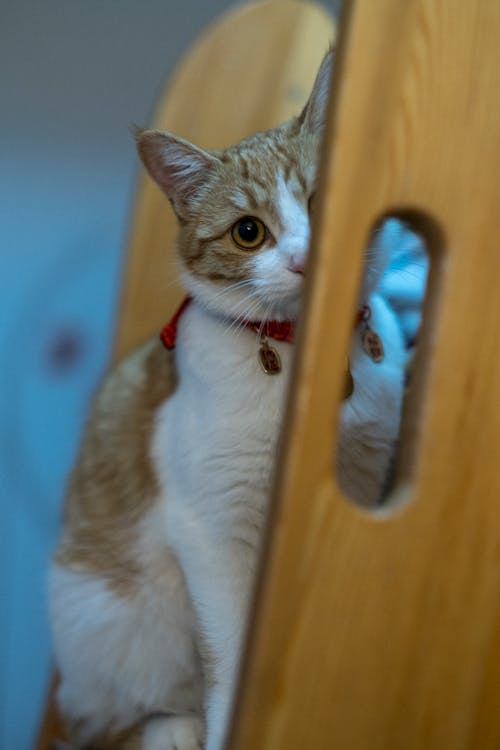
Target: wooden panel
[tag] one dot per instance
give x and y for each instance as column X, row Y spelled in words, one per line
column 384, row 633
column 250, row 71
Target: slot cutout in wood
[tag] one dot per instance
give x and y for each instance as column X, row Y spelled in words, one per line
column 378, row 432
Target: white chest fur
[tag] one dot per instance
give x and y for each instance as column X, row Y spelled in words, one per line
column 216, row 437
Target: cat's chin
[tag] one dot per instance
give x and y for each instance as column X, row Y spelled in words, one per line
column 281, row 304
column 243, row 301
column 286, row 309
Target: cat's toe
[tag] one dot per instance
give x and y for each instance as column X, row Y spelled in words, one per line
column 174, row 733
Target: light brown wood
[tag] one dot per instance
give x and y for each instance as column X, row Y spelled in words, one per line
column 384, row 633
column 250, row 71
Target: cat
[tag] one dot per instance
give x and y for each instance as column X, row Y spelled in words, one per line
column 165, row 509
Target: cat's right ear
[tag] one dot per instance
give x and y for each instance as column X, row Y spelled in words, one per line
column 179, row 168
column 314, row 113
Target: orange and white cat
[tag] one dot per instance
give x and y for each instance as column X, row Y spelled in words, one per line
column 151, row 580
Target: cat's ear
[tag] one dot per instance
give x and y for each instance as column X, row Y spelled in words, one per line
column 314, row 113
column 178, row 167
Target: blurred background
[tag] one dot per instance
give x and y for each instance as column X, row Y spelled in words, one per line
column 74, row 74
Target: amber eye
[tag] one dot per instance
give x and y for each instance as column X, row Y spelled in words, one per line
column 248, row 233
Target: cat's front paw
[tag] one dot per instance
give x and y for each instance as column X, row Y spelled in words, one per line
column 174, row 733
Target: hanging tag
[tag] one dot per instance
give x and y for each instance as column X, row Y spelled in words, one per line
column 372, row 344
column 269, row 358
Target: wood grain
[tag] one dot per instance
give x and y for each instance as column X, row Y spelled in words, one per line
column 384, row 633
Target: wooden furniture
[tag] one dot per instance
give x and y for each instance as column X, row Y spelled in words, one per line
column 383, row 633
column 270, row 51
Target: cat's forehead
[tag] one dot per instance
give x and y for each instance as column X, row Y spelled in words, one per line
column 263, row 164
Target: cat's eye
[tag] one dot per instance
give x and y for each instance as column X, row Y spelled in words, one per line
column 248, row 233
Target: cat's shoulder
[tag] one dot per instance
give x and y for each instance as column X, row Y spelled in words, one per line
column 123, row 411
column 120, row 425
column 113, row 485
column 142, row 380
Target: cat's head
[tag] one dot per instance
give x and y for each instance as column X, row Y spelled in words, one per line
column 244, row 213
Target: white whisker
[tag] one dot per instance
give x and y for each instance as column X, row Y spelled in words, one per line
column 232, row 287
column 238, row 322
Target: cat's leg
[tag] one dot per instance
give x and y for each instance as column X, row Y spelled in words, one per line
column 221, row 591
column 153, row 733
column 224, row 644
column 173, row 733
column 220, row 576
column 156, row 732
column 123, row 658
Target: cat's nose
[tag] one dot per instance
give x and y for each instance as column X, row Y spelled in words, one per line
column 297, row 263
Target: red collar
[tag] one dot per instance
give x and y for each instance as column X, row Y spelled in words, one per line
column 168, row 333
column 274, row 329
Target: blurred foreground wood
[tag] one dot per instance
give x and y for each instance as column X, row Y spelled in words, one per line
column 383, row 633
column 271, row 51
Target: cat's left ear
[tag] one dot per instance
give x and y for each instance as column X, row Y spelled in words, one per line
column 314, row 113
column 181, row 169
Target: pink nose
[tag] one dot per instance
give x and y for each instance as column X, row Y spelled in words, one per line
column 297, row 263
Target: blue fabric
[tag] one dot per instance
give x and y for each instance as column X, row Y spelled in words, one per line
column 403, row 285
column 55, row 329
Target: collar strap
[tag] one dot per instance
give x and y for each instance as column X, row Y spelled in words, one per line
column 279, row 330
column 168, row 333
